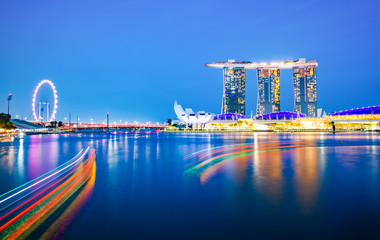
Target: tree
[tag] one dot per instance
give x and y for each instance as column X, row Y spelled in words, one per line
column 5, row 122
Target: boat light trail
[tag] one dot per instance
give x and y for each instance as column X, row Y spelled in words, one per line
column 224, row 146
column 41, row 175
column 49, row 192
column 54, row 173
column 206, row 165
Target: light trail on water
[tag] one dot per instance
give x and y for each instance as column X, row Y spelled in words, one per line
column 194, row 154
column 206, row 165
column 46, row 194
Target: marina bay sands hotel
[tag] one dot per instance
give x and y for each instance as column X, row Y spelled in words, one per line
column 268, row 82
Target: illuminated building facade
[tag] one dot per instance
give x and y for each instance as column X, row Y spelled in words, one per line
column 305, row 90
column 268, row 85
column 280, row 116
column 234, row 91
column 268, row 78
column 375, row 110
column 228, row 117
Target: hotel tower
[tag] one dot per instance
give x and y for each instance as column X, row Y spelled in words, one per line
column 268, row 86
column 305, row 90
column 234, row 91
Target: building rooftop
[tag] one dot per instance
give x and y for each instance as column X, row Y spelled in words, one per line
column 228, row 116
column 254, row 65
column 358, row 111
column 280, row 116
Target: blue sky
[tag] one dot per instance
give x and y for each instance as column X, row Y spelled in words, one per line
column 133, row 59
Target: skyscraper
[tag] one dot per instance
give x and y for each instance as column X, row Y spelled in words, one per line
column 234, row 90
column 268, row 79
column 268, row 85
column 305, row 90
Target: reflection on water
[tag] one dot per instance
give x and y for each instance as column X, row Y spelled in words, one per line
column 274, row 164
column 20, row 159
column 267, row 175
column 306, row 161
column 216, row 159
column 244, row 184
column 11, row 160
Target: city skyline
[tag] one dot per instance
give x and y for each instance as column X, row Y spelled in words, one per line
column 189, row 119
column 103, row 60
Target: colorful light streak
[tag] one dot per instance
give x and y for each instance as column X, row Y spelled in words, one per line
column 53, row 173
column 222, row 147
column 227, row 148
column 61, row 179
column 24, row 213
column 65, row 218
column 206, row 165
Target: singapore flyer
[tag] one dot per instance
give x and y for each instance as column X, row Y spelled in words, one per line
column 38, row 116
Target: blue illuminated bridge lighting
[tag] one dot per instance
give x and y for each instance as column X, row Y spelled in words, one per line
column 358, row 111
column 280, row 116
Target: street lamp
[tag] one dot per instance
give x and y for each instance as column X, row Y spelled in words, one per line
column 9, row 102
column 77, row 123
column 69, row 120
column 108, row 122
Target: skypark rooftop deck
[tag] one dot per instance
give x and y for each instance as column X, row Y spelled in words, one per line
column 254, row 65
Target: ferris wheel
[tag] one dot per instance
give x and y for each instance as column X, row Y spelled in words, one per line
column 50, row 117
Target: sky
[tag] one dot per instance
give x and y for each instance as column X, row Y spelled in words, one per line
column 132, row 59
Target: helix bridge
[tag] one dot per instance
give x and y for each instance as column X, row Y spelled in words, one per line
column 25, row 208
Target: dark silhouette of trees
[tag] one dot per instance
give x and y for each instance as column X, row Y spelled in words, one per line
column 5, row 122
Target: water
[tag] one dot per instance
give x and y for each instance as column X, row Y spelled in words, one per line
column 176, row 186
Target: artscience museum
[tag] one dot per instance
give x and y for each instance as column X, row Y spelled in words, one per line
column 188, row 116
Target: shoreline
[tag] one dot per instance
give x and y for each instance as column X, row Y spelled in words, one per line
column 8, row 137
column 267, row 131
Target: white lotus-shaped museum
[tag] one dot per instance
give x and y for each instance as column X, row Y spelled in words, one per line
column 188, row 116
